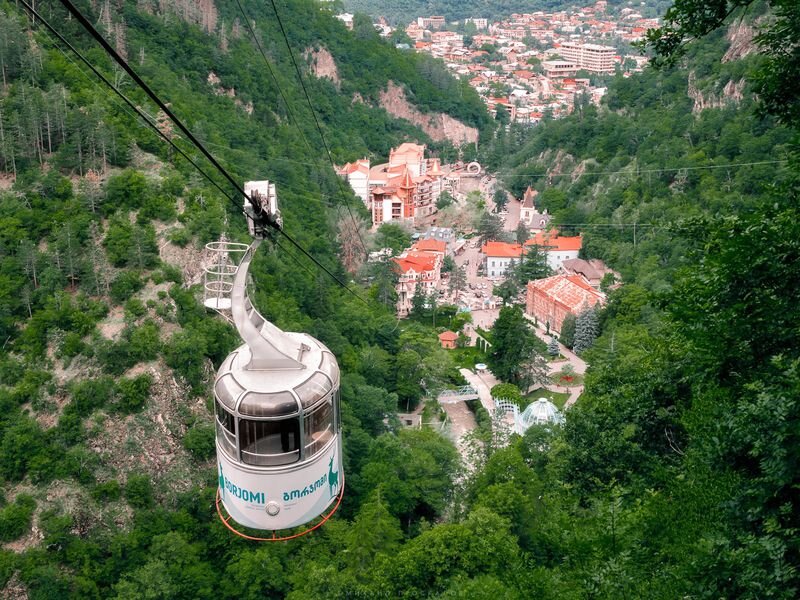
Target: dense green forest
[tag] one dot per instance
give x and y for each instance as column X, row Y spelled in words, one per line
column 675, row 474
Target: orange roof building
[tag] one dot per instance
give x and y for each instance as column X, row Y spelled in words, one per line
column 499, row 256
column 550, row 300
column 406, row 188
column 417, row 269
column 448, row 339
column 501, row 250
column 558, row 248
column 434, row 246
column 357, row 175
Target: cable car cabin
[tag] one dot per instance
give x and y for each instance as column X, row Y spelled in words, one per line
column 278, row 442
column 279, row 449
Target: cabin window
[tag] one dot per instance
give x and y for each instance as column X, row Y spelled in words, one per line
column 225, row 418
column 269, row 443
column 313, row 389
column 226, row 433
column 319, row 427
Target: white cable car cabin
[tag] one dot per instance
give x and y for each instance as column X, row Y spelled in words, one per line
column 279, row 448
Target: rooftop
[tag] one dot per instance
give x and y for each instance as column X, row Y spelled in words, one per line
column 552, row 241
column 502, row 250
column 417, row 262
column 574, row 292
column 429, row 245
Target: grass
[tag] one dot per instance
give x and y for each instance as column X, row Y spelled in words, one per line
column 467, row 357
column 557, row 398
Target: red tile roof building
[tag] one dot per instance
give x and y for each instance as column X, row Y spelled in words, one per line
column 448, row 339
column 406, row 188
column 499, row 255
column 416, row 268
column 558, row 248
column 550, row 300
column 434, row 246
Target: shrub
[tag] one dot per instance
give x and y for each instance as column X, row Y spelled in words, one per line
column 15, row 519
column 107, row 491
column 125, row 285
column 145, row 341
column 91, row 394
column 200, row 441
column 128, row 190
column 71, row 345
column 180, row 236
column 139, row 491
column 135, row 308
column 132, row 394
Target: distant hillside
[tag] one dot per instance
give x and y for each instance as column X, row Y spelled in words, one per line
column 654, row 152
column 404, row 11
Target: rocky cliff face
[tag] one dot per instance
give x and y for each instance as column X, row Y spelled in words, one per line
column 730, row 94
column 438, row 126
column 322, row 64
column 740, row 36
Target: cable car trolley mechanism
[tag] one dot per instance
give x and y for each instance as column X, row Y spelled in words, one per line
column 276, row 397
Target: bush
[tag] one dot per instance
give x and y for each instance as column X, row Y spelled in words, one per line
column 139, row 491
column 132, row 394
column 171, row 273
column 107, row 491
column 115, row 357
column 135, row 308
column 118, row 241
column 180, row 236
column 91, row 394
column 71, row 345
column 200, row 441
column 128, row 190
column 160, row 207
column 145, row 341
column 125, row 285
column 15, row 519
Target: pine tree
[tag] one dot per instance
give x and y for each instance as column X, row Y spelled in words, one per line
column 586, row 330
column 568, row 331
column 458, row 280
column 418, row 303
column 490, row 228
column 533, row 265
column 522, row 233
column 552, row 347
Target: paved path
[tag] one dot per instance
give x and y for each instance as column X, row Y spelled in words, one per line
column 461, row 422
column 578, row 364
column 512, row 218
column 483, row 382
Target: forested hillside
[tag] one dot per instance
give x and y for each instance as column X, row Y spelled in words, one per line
column 664, row 147
column 675, row 474
column 107, row 356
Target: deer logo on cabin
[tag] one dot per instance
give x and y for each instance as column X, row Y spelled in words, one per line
column 333, row 478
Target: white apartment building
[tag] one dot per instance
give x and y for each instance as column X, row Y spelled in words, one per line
column 592, row 57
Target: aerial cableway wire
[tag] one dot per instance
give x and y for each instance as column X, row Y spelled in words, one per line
column 316, row 122
column 294, row 121
column 271, row 72
column 143, row 115
column 119, row 60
